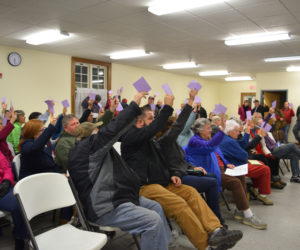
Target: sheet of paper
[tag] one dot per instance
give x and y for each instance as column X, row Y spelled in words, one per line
column 254, row 162
column 3, row 99
column 178, row 111
column 266, row 126
column 65, row 103
column 92, row 96
column 120, row 107
column 167, row 89
column 274, row 104
column 100, row 105
column 238, row 170
column 186, row 101
column 219, row 109
column 194, row 85
column 197, row 99
column 11, row 106
column 152, row 105
column 141, row 85
column 249, row 115
column 110, row 92
column 50, row 106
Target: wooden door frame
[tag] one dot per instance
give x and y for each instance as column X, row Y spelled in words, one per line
column 88, row 61
column 244, row 94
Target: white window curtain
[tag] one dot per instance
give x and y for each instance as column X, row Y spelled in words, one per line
column 82, row 93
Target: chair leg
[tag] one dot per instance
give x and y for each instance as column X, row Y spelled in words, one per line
column 286, row 165
column 136, row 242
column 224, row 199
column 281, row 171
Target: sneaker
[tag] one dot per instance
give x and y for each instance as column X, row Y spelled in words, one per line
column 222, row 236
column 265, row 200
column 238, row 215
column 282, row 183
column 254, row 222
column 295, row 179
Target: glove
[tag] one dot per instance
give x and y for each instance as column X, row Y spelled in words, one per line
column 4, row 187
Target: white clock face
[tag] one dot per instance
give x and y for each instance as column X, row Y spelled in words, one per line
column 14, row 59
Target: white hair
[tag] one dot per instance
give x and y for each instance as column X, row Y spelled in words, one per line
column 230, row 125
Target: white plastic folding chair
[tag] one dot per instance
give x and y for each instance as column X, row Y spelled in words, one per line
column 40, row 193
column 11, row 148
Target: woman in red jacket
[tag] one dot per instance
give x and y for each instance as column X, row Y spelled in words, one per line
column 4, row 132
column 8, row 202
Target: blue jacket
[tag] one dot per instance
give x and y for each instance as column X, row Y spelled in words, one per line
column 36, row 155
column 201, row 152
column 234, row 150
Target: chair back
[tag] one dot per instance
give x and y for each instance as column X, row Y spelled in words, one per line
column 11, row 148
column 117, row 147
column 44, row 192
column 17, row 162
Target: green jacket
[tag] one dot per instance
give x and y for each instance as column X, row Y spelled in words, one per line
column 14, row 136
column 67, row 141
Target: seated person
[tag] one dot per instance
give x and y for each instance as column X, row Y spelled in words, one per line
column 160, row 183
column 4, row 132
column 67, row 138
column 108, row 188
column 204, row 150
column 235, row 153
column 284, row 151
column 36, row 149
column 9, row 203
column 216, row 120
column 175, row 156
column 257, row 150
column 15, row 135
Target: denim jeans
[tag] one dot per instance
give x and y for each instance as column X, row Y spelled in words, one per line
column 9, row 203
column 296, row 130
column 286, row 129
column 147, row 220
column 289, row 151
column 207, row 185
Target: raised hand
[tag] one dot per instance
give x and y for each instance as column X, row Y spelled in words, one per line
column 139, row 96
column 169, row 100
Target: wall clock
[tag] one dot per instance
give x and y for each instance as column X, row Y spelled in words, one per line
column 14, row 59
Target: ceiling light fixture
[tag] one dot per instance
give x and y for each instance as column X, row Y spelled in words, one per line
column 282, row 59
column 129, row 54
column 47, row 36
column 171, row 6
column 214, row 73
column 238, row 78
column 182, row 65
column 257, row 38
column 293, row 69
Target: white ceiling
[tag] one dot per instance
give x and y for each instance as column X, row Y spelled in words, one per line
column 101, row 27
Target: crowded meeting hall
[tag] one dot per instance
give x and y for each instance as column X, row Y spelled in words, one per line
column 149, row 124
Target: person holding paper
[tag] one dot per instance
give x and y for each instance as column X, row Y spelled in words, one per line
column 160, row 183
column 234, row 152
column 109, row 189
column 257, row 150
column 95, row 107
column 288, row 113
column 243, row 109
column 14, row 136
column 259, row 108
column 204, row 151
column 201, row 112
column 4, row 132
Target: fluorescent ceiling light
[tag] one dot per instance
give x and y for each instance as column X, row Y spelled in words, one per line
column 182, row 65
column 257, row 38
column 129, row 54
column 238, row 78
column 214, row 73
column 164, row 7
column 48, row 36
column 293, row 69
column 282, row 59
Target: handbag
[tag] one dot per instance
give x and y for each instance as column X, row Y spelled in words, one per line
column 270, row 143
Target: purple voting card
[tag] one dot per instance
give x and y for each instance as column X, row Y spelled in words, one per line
column 100, row 105
column 167, row 89
column 3, row 99
column 121, row 89
column 272, row 116
column 197, row 99
column 110, row 92
column 162, row 106
column 249, row 115
column 50, row 106
column 118, row 92
column 156, row 94
column 194, row 85
column 4, row 121
column 152, row 106
column 65, row 103
column 266, row 126
column 186, row 101
column 220, row 109
column 141, row 85
column 11, row 106
column 178, row 111
column 274, row 104
column 92, row 96
column 232, row 116
column 291, row 105
column 120, row 107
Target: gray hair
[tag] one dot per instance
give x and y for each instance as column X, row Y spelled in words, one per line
column 199, row 124
column 19, row 113
column 236, row 119
column 66, row 119
column 230, row 125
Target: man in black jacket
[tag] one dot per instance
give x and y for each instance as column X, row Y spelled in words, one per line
column 160, row 183
column 259, row 108
column 109, row 189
